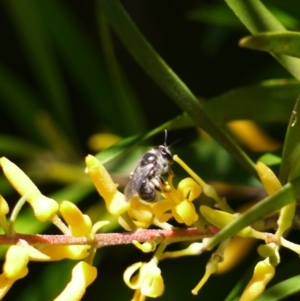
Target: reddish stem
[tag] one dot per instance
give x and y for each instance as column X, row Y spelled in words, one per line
column 109, row 239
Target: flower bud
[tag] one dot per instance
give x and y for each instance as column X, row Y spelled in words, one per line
column 115, row 201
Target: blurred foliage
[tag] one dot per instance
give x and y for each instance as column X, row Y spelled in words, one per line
column 65, row 75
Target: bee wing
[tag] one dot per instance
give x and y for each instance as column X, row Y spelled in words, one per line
column 136, row 180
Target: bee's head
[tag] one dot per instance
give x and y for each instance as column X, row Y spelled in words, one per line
column 165, row 149
column 165, row 153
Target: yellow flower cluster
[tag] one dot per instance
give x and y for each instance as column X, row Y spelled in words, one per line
column 144, row 278
column 176, row 203
column 265, row 269
column 18, row 256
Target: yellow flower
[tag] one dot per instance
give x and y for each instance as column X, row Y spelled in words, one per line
column 102, row 141
column 83, row 275
column 4, row 209
column 115, row 201
column 220, row 219
column 271, row 185
column 263, row 273
column 65, row 252
column 211, row 268
column 148, row 282
column 44, row 207
column 79, row 224
column 178, row 203
column 141, row 213
column 14, row 268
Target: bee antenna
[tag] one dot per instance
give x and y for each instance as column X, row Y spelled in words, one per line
column 166, row 136
column 165, row 143
column 176, row 141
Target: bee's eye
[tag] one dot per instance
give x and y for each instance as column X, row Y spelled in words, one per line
column 165, row 153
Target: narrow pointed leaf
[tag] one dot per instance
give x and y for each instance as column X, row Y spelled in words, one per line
column 287, row 43
column 290, row 166
column 281, row 290
column 257, row 19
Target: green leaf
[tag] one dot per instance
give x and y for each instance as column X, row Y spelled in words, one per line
column 215, row 14
column 286, row 43
column 290, row 166
column 286, row 195
column 270, row 159
column 281, row 290
column 267, row 101
column 218, row 14
column 257, row 18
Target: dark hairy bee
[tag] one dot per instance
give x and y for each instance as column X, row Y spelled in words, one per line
column 146, row 180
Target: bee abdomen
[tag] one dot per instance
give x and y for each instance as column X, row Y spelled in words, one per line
column 147, row 193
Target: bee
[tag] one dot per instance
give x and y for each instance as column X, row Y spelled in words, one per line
column 146, row 180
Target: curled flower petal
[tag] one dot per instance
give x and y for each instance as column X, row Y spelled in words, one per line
column 83, row 275
column 134, row 282
column 271, row 251
column 115, row 201
column 189, row 189
column 263, row 273
column 148, row 280
column 79, row 224
column 147, row 246
column 185, row 213
column 43, row 206
column 162, row 210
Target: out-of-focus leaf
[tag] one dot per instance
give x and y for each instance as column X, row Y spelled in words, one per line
column 268, row 101
column 169, row 82
column 83, row 63
column 16, row 147
column 124, row 94
column 37, row 44
column 219, row 14
column 270, row 159
column 20, row 103
column 287, row 43
column 281, row 290
column 215, row 14
column 257, row 18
